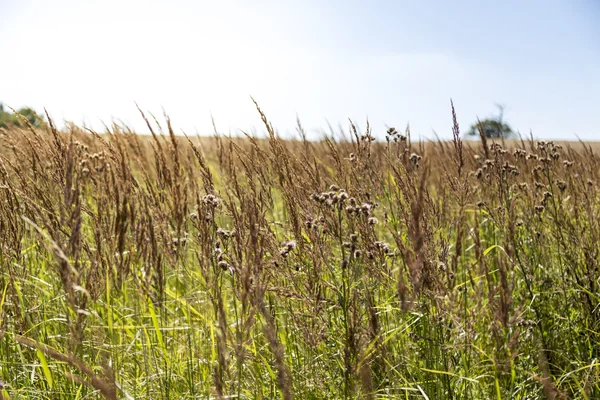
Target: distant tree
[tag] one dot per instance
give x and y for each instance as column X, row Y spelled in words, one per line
column 492, row 127
column 10, row 119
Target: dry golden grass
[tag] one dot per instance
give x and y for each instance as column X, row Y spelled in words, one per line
column 168, row 267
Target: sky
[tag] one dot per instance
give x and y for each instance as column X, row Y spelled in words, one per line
column 325, row 62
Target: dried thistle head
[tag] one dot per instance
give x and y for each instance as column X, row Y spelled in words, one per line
column 366, row 208
column 223, row 265
column 211, row 200
column 495, row 147
column 519, row 153
column 287, row 248
column 415, row 158
column 309, row 224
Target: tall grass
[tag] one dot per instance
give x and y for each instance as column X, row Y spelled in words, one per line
column 168, row 267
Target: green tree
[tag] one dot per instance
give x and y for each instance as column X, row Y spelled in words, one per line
column 492, row 127
column 10, row 119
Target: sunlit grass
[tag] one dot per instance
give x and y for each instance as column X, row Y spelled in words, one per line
column 170, row 268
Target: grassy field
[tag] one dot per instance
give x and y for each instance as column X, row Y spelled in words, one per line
column 164, row 267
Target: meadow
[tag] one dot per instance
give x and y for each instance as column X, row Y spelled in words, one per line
column 174, row 267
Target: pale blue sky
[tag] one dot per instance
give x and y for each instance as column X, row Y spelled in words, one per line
column 391, row 61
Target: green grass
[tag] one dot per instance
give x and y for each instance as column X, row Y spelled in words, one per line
column 231, row 269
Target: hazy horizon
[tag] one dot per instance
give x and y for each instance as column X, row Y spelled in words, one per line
column 391, row 62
